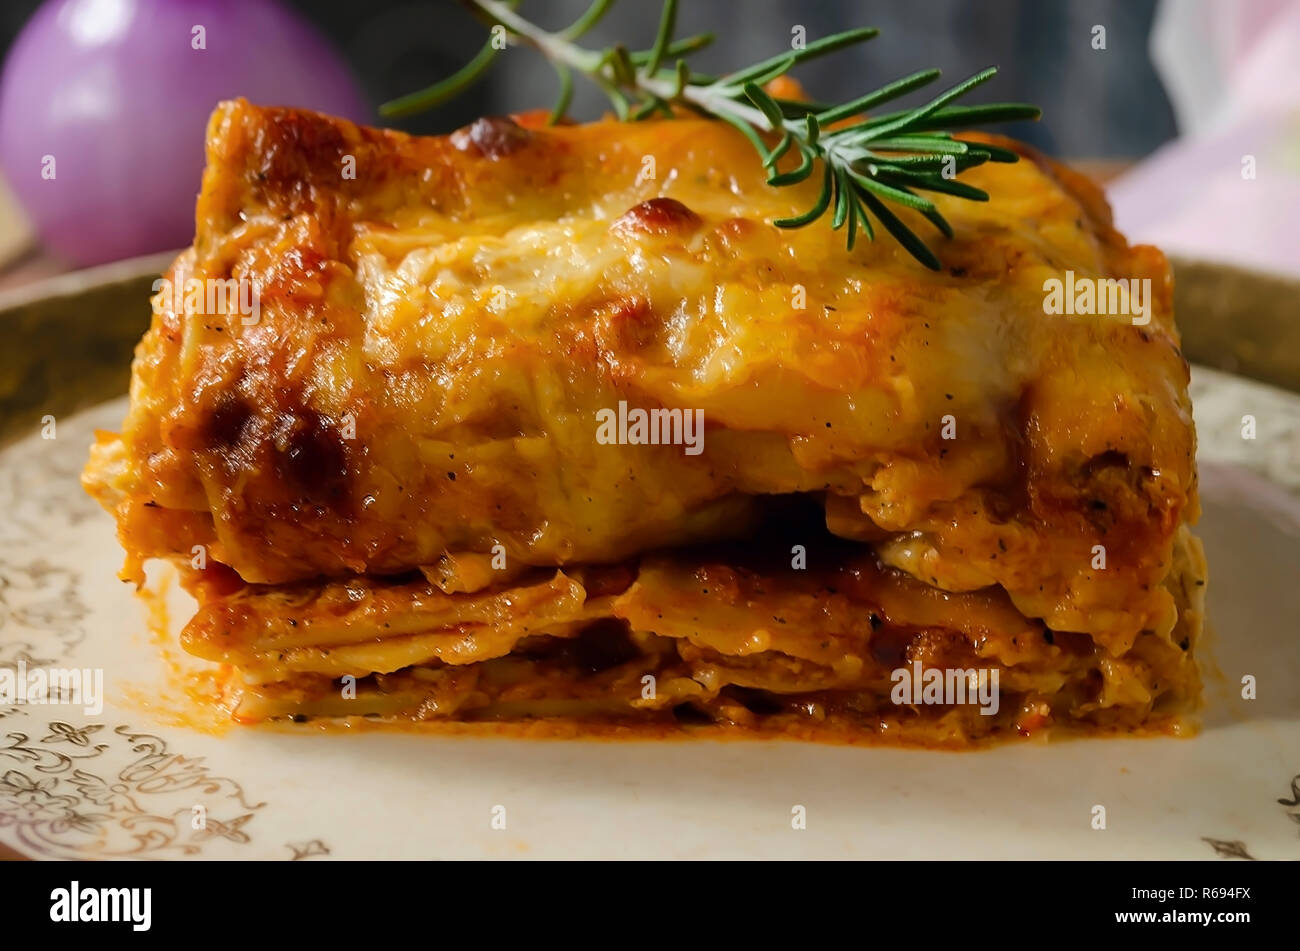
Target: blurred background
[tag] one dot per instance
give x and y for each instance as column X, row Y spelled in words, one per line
column 1187, row 107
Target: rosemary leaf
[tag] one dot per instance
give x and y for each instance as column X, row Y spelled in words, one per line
column 440, row 92
column 865, row 166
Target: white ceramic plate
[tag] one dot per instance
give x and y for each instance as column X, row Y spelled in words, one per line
column 130, row 781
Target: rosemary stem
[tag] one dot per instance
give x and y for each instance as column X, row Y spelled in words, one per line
column 662, row 84
column 865, row 162
column 552, row 45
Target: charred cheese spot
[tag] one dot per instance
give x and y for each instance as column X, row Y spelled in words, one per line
column 734, row 231
column 662, row 216
column 227, row 422
column 312, row 456
column 296, row 148
column 492, row 137
column 306, row 450
column 1110, row 459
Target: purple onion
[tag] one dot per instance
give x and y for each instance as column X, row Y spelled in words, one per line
column 116, row 93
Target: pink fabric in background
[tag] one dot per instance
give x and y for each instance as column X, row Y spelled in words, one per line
column 1233, row 72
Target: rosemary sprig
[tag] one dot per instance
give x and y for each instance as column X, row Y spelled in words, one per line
column 862, row 163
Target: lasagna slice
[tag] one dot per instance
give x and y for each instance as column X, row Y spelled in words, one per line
column 553, row 426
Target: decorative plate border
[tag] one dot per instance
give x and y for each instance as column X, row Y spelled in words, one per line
column 59, row 801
